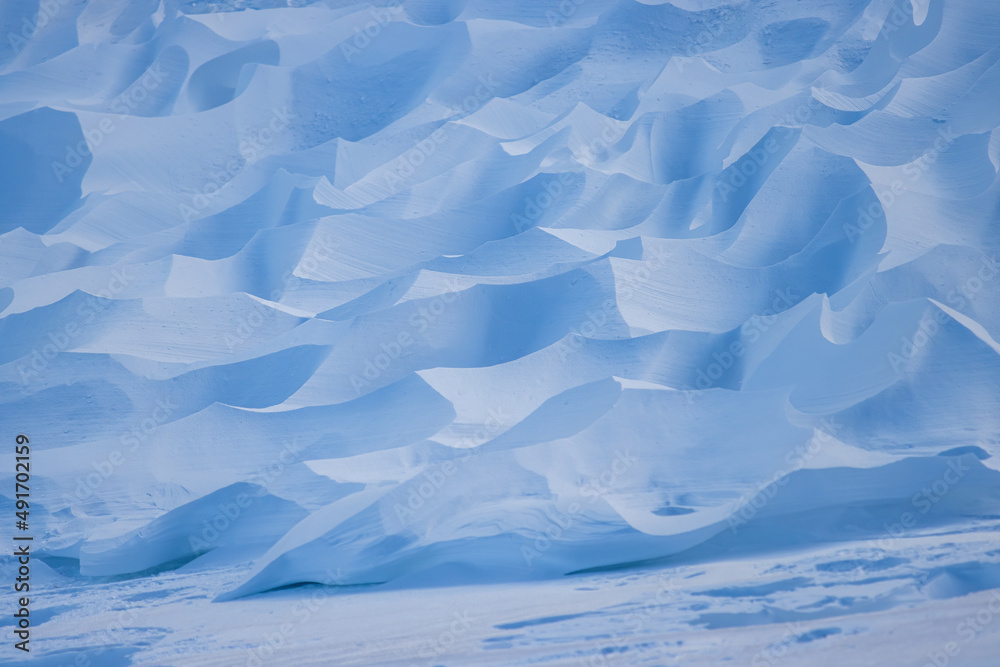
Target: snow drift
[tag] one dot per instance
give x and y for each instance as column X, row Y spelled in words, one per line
column 497, row 290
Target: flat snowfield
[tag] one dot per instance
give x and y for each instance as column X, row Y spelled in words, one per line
column 521, row 332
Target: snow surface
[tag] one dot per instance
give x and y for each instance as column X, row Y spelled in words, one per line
column 511, row 308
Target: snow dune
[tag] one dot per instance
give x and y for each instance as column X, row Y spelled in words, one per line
column 501, row 290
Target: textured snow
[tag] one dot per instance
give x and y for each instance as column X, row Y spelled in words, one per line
column 495, row 291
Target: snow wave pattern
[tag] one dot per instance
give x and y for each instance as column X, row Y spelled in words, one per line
column 496, row 289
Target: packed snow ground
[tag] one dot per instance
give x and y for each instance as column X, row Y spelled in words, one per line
column 508, row 308
column 920, row 601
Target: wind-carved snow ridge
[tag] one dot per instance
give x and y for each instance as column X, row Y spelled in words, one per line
column 488, row 290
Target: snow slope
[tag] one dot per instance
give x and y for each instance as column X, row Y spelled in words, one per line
column 477, row 291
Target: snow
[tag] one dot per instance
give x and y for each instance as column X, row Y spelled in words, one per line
column 523, row 332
